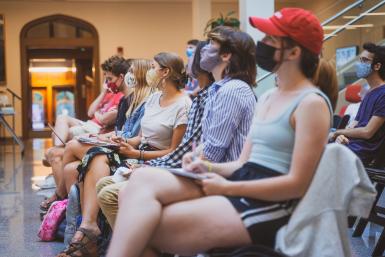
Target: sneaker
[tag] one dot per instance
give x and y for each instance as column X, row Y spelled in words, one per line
column 47, row 183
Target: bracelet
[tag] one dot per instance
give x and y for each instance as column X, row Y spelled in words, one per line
column 141, row 154
column 209, row 166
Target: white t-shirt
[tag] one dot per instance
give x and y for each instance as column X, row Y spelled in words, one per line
column 352, row 110
column 158, row 122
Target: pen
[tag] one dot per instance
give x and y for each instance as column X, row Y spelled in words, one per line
column 116, row 131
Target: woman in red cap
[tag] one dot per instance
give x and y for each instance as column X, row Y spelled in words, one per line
column 245, row 201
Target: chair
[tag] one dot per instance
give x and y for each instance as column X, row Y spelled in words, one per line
column 352, row 95
column 376, row 172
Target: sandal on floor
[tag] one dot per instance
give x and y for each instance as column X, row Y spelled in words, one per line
column 44, row 206
column 86, row 246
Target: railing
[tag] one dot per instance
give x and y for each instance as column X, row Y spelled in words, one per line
column 14, row 96
column 10, row 129
column 341, row 28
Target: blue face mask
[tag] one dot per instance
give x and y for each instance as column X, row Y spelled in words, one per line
column 189, row 52
column 363, row 70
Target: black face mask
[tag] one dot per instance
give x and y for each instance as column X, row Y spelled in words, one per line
column 265, row 56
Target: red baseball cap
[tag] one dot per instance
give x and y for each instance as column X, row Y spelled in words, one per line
column 300, row 25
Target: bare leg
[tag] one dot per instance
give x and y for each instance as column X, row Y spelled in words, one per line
column 98, row 169
column 62, row 125
column 74, row 151
column 70, row 174
column 140, row 208
column 55, row 155
column 211, row 222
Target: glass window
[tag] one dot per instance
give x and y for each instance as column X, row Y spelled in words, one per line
column 64, row 30
column 39, row 31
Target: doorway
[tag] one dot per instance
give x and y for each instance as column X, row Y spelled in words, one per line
column 59, row 68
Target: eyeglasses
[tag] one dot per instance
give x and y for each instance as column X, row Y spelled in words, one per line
column 365, row 59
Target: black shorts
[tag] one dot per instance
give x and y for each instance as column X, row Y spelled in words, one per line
column 262, row 219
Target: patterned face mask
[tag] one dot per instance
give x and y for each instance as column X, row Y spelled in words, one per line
column 130, row 80
column 209, row 58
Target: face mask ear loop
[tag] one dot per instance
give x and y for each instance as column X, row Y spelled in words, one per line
column 280, row 57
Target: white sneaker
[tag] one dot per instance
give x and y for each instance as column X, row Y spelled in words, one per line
column 47, row 183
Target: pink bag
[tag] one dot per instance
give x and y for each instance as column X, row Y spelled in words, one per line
column 52, row 220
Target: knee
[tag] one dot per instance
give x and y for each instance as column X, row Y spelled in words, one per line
column 71, row 145
column 55, row 154
column 62, row 117
column 142, row 180
column 103, row 182
column 107, row 196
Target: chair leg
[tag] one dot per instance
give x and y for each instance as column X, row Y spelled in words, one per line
column 363, row 222
column 380, row 246
column 351, row 221
column 359, row 230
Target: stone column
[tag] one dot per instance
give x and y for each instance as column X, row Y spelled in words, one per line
column 201, row 13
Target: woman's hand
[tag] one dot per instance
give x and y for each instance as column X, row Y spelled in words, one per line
column 187, row 159
column 214, row 184
column 197, row 166
column 117, row 139
column 103, row 137
column 127, row 150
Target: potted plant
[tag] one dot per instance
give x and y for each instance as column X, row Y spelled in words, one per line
column 222, row 21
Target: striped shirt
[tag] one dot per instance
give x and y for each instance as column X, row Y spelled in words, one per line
column 193, row 134
column 227, row 119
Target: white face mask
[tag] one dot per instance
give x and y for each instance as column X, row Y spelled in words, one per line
column 130, row 80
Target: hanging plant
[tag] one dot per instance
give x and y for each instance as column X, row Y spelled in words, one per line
column 222, row 21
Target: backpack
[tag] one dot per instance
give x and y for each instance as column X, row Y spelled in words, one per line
column 73, row 214
column 52, row 220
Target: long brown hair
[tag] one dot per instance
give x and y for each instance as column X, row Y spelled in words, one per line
column 325, row 78
column 241, row 45
column 322, row 72
column 174, row 63
column 141, row 90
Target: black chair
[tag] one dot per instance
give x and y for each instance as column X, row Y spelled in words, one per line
column 376, row 172
column 246, row 251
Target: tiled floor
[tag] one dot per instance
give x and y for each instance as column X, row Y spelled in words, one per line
column 19, row 201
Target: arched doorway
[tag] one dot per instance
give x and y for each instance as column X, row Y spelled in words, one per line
column 59, row 70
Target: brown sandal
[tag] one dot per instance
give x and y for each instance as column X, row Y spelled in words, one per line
column 44, row 206
column 86, row 246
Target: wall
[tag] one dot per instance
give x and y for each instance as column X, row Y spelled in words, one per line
column 224, row 8
column 143, row 29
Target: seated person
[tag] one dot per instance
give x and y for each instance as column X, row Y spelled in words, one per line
column 352, row 109
column 102, row 111
column 245, row 201
column 366, row 133
column 162, row 128
column 119, row 68
column 228, row 111
column 108, row 197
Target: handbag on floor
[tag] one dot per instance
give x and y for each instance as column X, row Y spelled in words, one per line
column 52, row 220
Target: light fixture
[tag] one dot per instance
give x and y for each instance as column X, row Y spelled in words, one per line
column 333, row 27
column 52, row 69
column 366, row 14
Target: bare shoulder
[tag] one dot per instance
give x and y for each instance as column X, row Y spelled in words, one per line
column 314, row 103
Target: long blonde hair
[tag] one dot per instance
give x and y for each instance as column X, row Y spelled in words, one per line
column 141, row 90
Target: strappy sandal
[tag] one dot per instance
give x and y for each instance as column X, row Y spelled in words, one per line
column 86, row 246
column 44, row 206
